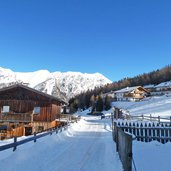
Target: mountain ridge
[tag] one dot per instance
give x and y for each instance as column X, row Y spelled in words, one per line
column 64, row 85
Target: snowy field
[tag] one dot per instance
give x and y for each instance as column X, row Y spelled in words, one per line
column 152, row 156
column 85, row 146
column 155, row 106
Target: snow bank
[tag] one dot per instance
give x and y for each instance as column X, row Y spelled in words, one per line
column 155, row 106
column 152, row 156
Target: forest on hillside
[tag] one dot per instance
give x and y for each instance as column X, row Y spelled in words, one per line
column 94, row 97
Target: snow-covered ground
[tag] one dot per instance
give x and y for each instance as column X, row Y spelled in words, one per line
column 85, row 146
column 152, row 156
column 88, row 146
column 155, row 106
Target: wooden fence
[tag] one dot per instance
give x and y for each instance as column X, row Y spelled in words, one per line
column 124, row 148
column 32, row 138
column 140, row 128
column 119, row 114
column 146, row 131
column 158, row 119
column 69, row 118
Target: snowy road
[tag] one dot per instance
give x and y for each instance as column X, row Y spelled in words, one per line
column 85, row 146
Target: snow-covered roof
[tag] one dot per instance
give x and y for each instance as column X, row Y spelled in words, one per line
column 149, row 86
column 127, row 89
column 164, row 84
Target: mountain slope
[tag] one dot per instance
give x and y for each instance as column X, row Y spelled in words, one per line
column 64, row 85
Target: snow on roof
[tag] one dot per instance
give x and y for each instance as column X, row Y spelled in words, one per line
column 127, row 89
column 149, row 86
column 164, row 84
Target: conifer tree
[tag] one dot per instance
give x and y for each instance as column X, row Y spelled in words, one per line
column 107, row 105
column 99, row 104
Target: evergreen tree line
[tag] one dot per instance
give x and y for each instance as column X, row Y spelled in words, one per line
column 88, row 99
column 94, row 97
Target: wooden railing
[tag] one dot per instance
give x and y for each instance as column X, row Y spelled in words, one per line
column 19, row 117
column 158, row 119
column 118, row 114
column 123, row 143
column 32, row 138
column 139, row 96
column 67, row 117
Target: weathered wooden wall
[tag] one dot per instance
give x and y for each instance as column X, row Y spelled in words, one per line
column 48, row 113
column 19, row 106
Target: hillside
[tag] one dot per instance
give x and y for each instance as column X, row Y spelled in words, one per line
column 155, row 106
column 154, row 77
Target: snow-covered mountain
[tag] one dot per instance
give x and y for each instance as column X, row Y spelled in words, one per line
column 64, row 85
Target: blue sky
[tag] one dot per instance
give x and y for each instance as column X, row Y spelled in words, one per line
column 118, row 38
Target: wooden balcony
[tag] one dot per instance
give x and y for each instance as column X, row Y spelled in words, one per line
column 135, row 96
column 19, row 117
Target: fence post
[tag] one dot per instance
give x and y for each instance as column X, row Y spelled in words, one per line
column 15, row 143
column 34, row 136
column 116, row 138
column 125, row 149
column 56, row 130
column 112, row 128
column 51, row 131
column 159, row 119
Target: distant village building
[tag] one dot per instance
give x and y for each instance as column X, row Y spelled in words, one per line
column 165, row 86
column 24, row 110
column 65, row 110
column 162, row 88
column 131, row 94
column 150, row 87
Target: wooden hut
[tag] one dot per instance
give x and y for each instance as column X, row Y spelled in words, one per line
column 24, row 110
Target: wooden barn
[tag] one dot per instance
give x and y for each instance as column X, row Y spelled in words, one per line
column 24, row 110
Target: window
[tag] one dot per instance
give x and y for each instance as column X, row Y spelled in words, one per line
column 5, row 109
column 36, row 110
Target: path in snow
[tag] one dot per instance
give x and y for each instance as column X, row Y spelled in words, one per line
column 85, row 146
